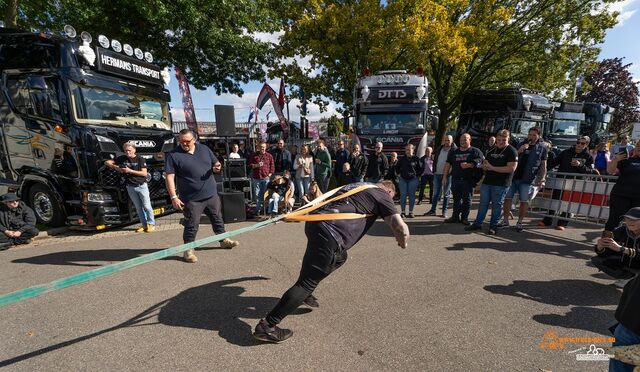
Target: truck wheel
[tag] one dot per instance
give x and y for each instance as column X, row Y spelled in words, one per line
column 45, row 206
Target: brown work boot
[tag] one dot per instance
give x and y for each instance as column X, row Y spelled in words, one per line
column 228, row 243
column 150, row 229
column 190, row 257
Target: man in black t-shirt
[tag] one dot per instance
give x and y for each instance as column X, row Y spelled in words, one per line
column 575, row 159
column 133, row 168
column 327, row 245
column 462, row 164
column 499, row 164
column 193, row 190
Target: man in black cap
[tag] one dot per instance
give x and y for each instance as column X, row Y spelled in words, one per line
column 619, row 253
column 17, row 222
column 619, row 250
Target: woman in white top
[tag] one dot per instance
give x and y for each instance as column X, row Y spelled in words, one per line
column 303, row 165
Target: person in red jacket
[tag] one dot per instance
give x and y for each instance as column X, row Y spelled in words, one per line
column 262, row 167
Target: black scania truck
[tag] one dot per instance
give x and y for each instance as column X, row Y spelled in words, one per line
column 68, row 104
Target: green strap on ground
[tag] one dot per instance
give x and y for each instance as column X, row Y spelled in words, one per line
column 41, row 289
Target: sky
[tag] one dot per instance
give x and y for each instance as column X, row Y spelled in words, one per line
column 620, row 41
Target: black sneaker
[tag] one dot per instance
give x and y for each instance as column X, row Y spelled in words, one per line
column 430, row 213
column 410, row 215
column 273, row 334
column 492, row 231
column 403, row 215
column 519, row 227
column 311, row 301
column 465, row 222
column 452, row 220
column 473, row 227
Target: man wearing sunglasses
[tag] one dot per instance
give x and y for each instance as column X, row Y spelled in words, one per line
column 193, row 190
column 575, row 159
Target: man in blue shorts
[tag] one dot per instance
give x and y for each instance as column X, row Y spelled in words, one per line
column 531, row 170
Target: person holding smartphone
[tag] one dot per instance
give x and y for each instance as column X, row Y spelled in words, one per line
column 618, row 251
column 625, row 194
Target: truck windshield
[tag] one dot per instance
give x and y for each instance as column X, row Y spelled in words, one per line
column 390, row 123
column 565, row 127
column 100, row 106
column 522, row 127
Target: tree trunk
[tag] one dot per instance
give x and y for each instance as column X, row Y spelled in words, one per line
column 11, row 14
column 443, row 120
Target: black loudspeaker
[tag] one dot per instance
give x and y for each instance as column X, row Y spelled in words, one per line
column 236, row 168
column 225, row 120
column 233, row 209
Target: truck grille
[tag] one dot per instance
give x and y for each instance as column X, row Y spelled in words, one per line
column 110, row 178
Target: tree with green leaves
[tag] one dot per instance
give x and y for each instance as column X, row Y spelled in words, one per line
column 611, row 83
column 209, row 40
column 463, row 45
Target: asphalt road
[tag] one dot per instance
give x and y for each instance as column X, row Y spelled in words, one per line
column 451, row 301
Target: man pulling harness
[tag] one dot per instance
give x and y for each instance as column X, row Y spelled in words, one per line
column 333, row 226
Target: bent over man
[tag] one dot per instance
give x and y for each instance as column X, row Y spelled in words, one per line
column 327, row 245
column 193, row 190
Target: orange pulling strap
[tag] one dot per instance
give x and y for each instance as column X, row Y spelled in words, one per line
column 302, row 214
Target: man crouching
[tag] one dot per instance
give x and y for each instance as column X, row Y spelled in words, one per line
column 17, row 222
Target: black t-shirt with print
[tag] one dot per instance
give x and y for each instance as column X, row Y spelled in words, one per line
column 457, row 157
column 374, row 202
column 499, row 158
column 136, row 164
column 628, row 182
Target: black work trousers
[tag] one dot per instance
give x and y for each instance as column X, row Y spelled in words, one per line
column 322, row 257
column 548, row 220
column 193, row 211
column 29, row 233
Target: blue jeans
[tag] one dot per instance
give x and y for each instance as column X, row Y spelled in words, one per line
column 624, row 336
column 437, row 191
column 408, row 188
column 303, row 186
column 462, row 190
column 139, row 195
column 259, row 187
column 495, row 195
column 273, row 202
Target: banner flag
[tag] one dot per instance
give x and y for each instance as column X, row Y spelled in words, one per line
column 187, row 103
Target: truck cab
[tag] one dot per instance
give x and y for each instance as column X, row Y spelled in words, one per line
column 67, row 105
column 486, row 111
column 391, row 107
column 565, row 127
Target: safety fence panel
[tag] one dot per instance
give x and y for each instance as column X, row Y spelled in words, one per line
column 575, row 197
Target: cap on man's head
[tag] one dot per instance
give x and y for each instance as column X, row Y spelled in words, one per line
column 10, row 197
column 633, row 214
